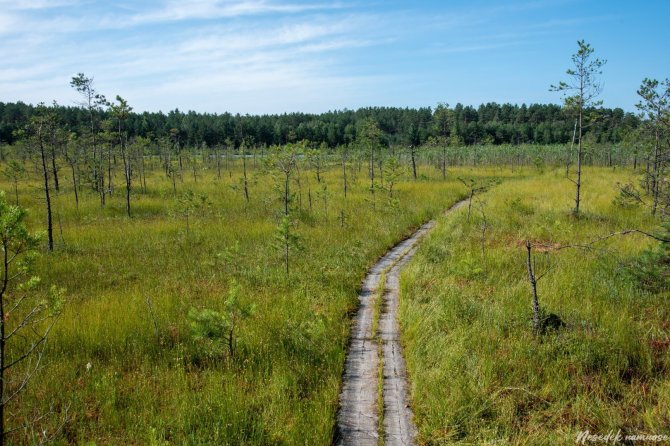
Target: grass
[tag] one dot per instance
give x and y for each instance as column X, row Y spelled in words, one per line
column 131, row 282
column 478, row 373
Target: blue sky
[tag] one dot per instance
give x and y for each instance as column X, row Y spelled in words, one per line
column 274, row 56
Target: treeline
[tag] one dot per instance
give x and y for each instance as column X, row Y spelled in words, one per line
column 487, row 124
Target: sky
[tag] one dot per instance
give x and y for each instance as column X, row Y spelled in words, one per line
column 276, row 56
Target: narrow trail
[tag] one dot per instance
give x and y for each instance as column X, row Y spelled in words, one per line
column 358, row 417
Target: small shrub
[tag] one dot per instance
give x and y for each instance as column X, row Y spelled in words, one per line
column 652, row 269
column 628, row 197
column 520, row 207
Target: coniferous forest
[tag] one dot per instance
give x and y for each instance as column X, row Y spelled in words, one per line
column 487, row 124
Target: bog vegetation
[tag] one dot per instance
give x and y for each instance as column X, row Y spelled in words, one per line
column 479, row 368
column 190, row 279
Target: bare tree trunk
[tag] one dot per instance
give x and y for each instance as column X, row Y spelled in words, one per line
column 101, row 180
column 568, row 160
column 412, row 151
column 655, row 178
column 54, row 169
column 609, row 157
column 218, row 162
column 127, row 173
column 181, row 164
column 244, row 170
column 110, row 183
column 47, row 195
column 533, row 286
column 96, row 182
column 578, row 183
column 74, row 186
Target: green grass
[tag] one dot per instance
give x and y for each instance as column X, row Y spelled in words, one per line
column 149, row 386
column 478, row 373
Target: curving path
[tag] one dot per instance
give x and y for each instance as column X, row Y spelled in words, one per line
column 357, row 418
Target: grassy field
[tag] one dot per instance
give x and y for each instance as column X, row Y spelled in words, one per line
column 126, row 364
column 122, row 359
column 478, row 373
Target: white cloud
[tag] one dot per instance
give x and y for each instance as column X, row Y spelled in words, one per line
column 27, row 5
column 176, row 10
column 202, row 64
column 246, row 55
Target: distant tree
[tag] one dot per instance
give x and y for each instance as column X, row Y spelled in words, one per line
column 315, row 159
column 369, row 140
column 228, row 148
column 172, row 174
column 58, row 140
column 632, row 141
column 392, row 174
column 344, row 157
column 580, row 93
column 120, row 112
column 655, row 105
column 286, row 240
column 412, row 153
column 283, row 161
column 190, row 203
column 324, row 194
column 442, row 143
column 92, row 101
column 72, row 154
column 39, row 135
column 473, row 188
column 245, row 180
column 15, row 172
column 175, row 139
column 138, row 148
column 217, row 147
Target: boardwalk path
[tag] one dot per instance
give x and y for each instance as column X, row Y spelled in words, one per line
column 357, row 419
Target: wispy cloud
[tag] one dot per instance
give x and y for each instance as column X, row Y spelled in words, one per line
column 176, row 10
column 28, row 5
column 221, row 62
column 276, row 55
column 33, row 14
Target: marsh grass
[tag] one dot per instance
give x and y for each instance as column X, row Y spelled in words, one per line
column 131, row 282
column 478, row 373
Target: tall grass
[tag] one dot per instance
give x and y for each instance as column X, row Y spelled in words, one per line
column 478, row 373
column 131, row 282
